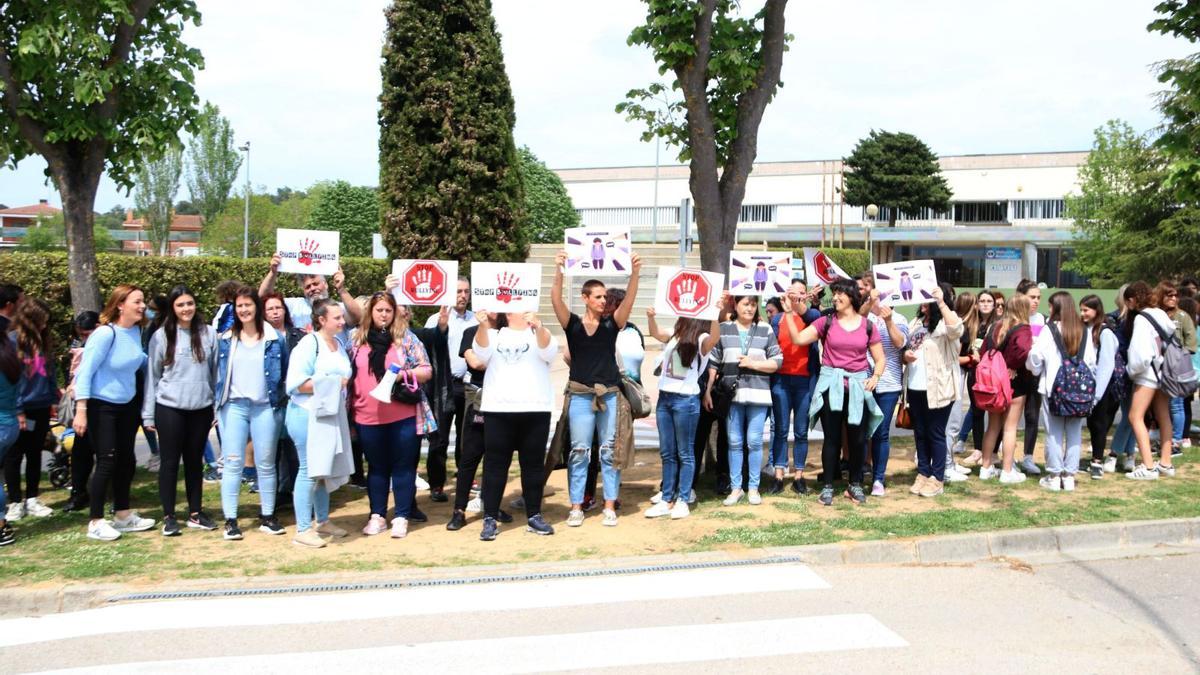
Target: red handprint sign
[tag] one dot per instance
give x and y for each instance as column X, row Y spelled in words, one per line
column 688, row 293
column 307, row 251
column 307, row 248
column 505, row 282
column 505, row 287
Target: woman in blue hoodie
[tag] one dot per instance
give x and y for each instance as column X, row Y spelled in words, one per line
column 30, row 334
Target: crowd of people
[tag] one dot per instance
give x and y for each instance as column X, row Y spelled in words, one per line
column 301, row 390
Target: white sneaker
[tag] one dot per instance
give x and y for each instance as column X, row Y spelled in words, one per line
column 656, row 498
column 959, row 448
column 733, row 498
column 691, row 497
column 1168, row 471
column 610, row 518
column 959, row 468
column 37, row 509
column 1110, row 464
column 399, row 528
column 1011, row 477
column 422, row 484
column 659, row 510
column 16, row 511
column 1142, row 473
column 102, row 530
column 1186, row 443
column 988, row 472
column 1068, row 483
column 476, row 505
column 680, row 510
column 1029, row 466
column 152, row 464
column 1051, row 483
column 754, row 498
column 575, row 518
column 953, row 476
column 1128, row 464
column 132, row 523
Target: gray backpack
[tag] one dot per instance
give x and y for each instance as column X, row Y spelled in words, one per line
column 1176, row 374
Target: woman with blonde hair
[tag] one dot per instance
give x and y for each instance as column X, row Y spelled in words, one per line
column 1013, row 338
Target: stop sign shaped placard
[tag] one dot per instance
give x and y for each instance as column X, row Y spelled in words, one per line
column 424, row 282
column 689, row 293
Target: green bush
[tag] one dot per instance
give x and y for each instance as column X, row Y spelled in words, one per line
column 853, row 260
column 44, row 275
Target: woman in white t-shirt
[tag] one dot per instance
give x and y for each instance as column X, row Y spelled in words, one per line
column 516, row 404
column 684, row 358
column 1145, row 353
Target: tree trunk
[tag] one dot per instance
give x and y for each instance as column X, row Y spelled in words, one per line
column 79, row 197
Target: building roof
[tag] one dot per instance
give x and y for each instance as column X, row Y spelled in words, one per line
column 179, row 223
column 39, row 209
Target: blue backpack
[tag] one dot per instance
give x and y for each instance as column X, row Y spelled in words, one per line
column 1074, row 390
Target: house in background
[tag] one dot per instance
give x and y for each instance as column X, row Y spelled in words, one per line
column 185, row 235
column 24, row 216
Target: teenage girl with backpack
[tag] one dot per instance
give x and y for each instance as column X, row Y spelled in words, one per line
column 1145, row 353
column 1110, row 381
column 1011, row 338
column 1166, row 297
column 976, row 327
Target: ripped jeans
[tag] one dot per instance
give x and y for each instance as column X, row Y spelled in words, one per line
column 586, row 424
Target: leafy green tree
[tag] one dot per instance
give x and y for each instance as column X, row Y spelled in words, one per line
column 896, row 171
column 185, row 207
column 449, row 174
column 548, row 207
column 1127, row 225
column 1180, row 104
column 49, row 233
column 92, row 87
column 353, row 211
column 726, row 69
column 213, row 163
column 223, row 235
column 111, row 219
column 157, row 184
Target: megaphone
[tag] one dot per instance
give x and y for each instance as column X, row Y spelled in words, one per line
column 383, row 391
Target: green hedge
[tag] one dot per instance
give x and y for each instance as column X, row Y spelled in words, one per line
column 44, row 275
column 853, row 260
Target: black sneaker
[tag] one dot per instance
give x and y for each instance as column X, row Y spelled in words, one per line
column 211, row 475
column 457, row 521
column 253, row 486
column 856, row 494
column 537, row 525
column 827, row 495
column 799, row 486
column 78, row 502
column 358, row 482
column 505, row 517
column 490, row 529
column 232, row 532
column 170, row 527
column 776, row 487
column 1176, row 450
column 417, row 515
column 270, row 525
column 1096, row 470
column 7, row 536
column 201, row 521
column 439, row 496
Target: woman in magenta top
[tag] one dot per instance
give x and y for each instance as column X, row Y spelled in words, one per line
column 1013, row 338
column 389, row 432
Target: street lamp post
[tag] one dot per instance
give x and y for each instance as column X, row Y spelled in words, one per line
column 246, row 219
column 872, row 213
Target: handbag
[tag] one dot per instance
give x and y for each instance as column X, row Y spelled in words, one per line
column 903, row 418
column 406, row 389
column 723, row 392
column 639, row 400
column 66, row 402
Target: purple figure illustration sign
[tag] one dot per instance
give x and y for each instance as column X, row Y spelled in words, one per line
column 598, row 251
column 764, row 273
column 905, row 283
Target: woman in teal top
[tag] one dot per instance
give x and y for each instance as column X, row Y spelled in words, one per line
column 10, row 380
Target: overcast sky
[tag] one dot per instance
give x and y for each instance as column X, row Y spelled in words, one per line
column 300, row 80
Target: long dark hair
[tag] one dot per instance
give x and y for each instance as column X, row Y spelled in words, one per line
column 31, row 325
column 1063, row 310
column 933, row 311
column 687, row 336
column 1094, row 303
column 171, row 324
column 248, row 292
column 10, row 362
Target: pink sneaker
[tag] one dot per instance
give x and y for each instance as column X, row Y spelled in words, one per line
column 376, row 525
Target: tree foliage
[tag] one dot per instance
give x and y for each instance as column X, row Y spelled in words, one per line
column 449, row 174
column 157, row 185
column 49, row 234
column 223, row 235
column 726, row 68
column 1127, row 226
column 213, row 163
column 1180, row 104
column 548, row 207
column 351, row 210
column 896, row 171
column 93, row 87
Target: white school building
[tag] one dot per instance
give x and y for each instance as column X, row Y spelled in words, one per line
column 1005, row 219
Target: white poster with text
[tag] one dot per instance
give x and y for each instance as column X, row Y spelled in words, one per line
column 905, row 283
column 689, row 293
column 505, row 287
column 307, row 251
column 598, row 251
column 764, row 273
column 426, row 282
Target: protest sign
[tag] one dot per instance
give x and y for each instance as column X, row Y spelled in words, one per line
column 763, row 273
column 689, row 293
column 819, row 268
column 905, row 283
column 425, row 282
column 505, row 287
column 307, row 251
column 598, row 251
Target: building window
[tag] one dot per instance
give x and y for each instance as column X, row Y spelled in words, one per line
column 1036, row 209
column 1050, row 270
column 885, row 215
column 757, row 213
column 980, row 212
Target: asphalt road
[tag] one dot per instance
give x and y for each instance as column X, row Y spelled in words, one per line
column 1135, row 615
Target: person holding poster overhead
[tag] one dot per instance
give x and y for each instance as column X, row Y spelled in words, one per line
column 791, row 389
column 314, row 287
column 459, row 320
column 595, row 381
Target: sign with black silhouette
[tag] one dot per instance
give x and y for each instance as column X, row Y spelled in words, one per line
column 598, row 252
column 425, row 282
column 764, row 273
column 505, row 287
column 688, row 292
column 905, row 283
column 307, row 251
column 819, row 268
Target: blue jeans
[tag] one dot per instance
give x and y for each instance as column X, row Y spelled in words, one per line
column 392, row 451
column 1177, row 419
column 309, row 498
column 792, row 395
column 677, row 416
column 929, row 429
column 1123, row 442
column 8, row 437
column 241, row 420
column 746, row 422
column 586, row 425
column 881, row 442
column 967, row 426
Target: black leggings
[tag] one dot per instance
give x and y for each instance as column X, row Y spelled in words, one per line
column 527, row 433
column 831, row 450
column 29, row 447
column 1099, row 422
column 111, row 428
column 1033, row 410
column 468, row 458
column 703, row 430
column 181, row 435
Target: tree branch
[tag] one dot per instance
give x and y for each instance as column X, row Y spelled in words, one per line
column 31, row 130
column 693, row 80
column 97, row 146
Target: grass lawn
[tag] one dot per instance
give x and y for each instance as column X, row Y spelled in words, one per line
column 56, row 549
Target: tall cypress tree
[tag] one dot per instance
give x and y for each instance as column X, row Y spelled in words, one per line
column 449, row 173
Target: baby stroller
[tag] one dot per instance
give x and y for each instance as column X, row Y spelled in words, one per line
column 59, row 442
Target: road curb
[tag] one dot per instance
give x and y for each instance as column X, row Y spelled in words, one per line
column 947, row 549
